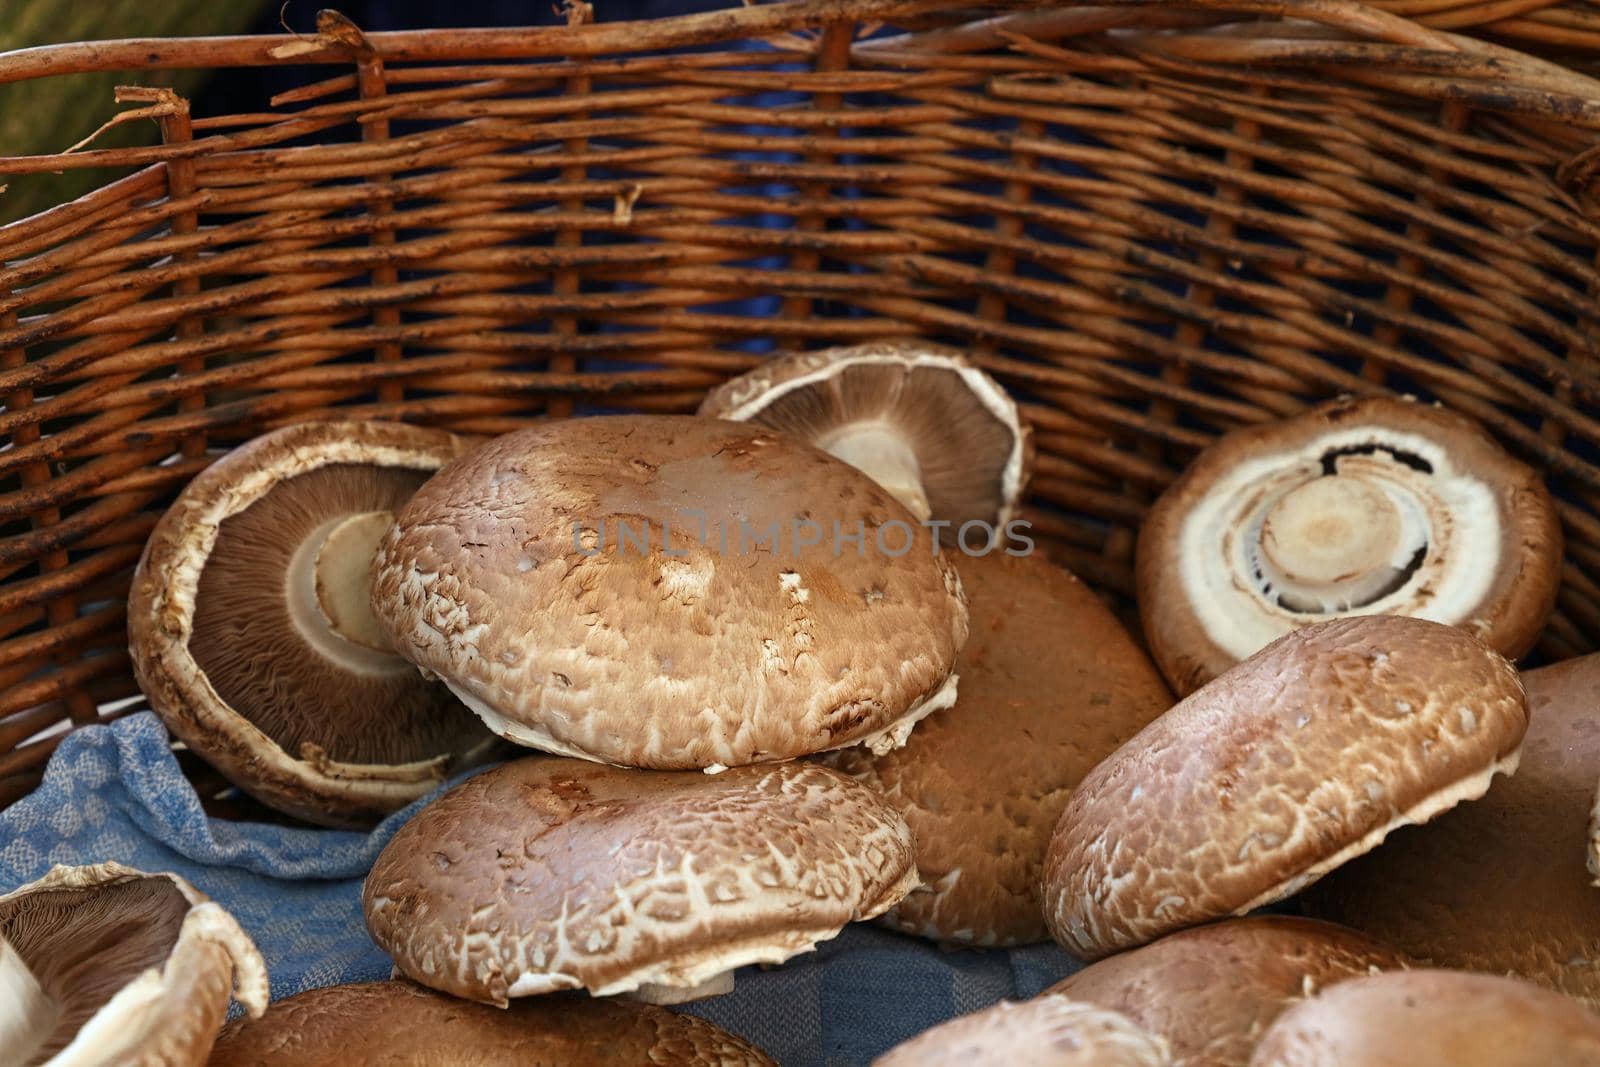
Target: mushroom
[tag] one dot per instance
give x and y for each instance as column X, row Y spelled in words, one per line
column 1374, row 506
column 1211, row 991
column 1051, row 684
column 548, row 874
column 919, row 418
column 1048, row 1031
column 1498, row 885
column 1430, row 1018
column 1297, row 760
column 109, row 965
column 672, row 592
column 251, row 634
column 398, row 1024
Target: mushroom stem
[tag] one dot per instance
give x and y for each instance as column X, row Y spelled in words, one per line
column 1331, row 544
column 655, row 993
column 27, row 1014
column 882, row 453
column 330, row 589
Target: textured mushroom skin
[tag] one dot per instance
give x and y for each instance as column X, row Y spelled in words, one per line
column 1051, row 684
column 549, row 874
column 1512, row 610
column 162, row 606
column 398, row 1024
column 167, row 1014
column 1048, row 1031
column 1499, row 885
column 509, row 576
column 1429, row 1018
column 1212, row 991
column 958, row 488
column 1298, row 759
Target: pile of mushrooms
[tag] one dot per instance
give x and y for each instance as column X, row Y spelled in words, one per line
column 758, row 673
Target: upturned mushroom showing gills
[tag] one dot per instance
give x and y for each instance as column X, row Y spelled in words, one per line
column 672, row 592
column 1051, row 684
column 1212, row 991
column 1499, row 885
column 550, row 874
column 1299, row 759
column 1358, row 507
column 919, row 418
column 398, row 1024
column 1048, row 1031
column 252, row 637
column 105, row 966
column 1430, row 1018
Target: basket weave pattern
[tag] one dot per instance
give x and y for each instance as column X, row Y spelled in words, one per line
column 1154, row 221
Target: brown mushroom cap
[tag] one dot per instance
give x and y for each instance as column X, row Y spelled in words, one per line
column 1050, row 685
column 398, row 1024
column 549, row 874
column 1499, row 885
column 928, row 425
column 1299, row 759
column 1374, row 506
column 1048, row 1031
column 513, row 576
column 1213, row 990
column 1433, row 1019
column 250, row 634
column 106, row 965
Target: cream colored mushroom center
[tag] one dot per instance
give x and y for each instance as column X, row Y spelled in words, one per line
column 329, row 590
column 27, row 1014
column 1333, row 543
column 879, row 450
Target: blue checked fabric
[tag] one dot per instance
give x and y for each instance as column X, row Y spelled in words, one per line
column 115, row 792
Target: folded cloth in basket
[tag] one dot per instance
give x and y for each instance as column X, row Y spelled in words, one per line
column 115, row 792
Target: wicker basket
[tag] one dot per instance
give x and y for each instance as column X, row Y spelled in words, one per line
column 1569, row 29
column 1153, row 220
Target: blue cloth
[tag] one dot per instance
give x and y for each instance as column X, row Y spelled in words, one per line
column 115, row 792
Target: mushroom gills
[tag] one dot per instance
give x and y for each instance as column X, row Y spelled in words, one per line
column 91, row 944
column 894, row 417
column 1341, row 541
column 28, row 1014
column 283, row 629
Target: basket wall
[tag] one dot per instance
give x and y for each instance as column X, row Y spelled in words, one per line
column 1153, row 221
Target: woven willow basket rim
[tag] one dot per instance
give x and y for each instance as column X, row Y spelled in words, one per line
column 337, row 39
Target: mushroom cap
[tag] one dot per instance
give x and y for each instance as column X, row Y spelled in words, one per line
column 1499, row 885
column 514, row 577
column 1376, row 506
column 1295, row 761
column 399, row 1024
column 1213, row 990
column 286, row 709
column 1429, row 1018
column 971, row 447
column 106, row 965
column 1048, row 1031
column 1051, row 684
column 549, row 874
